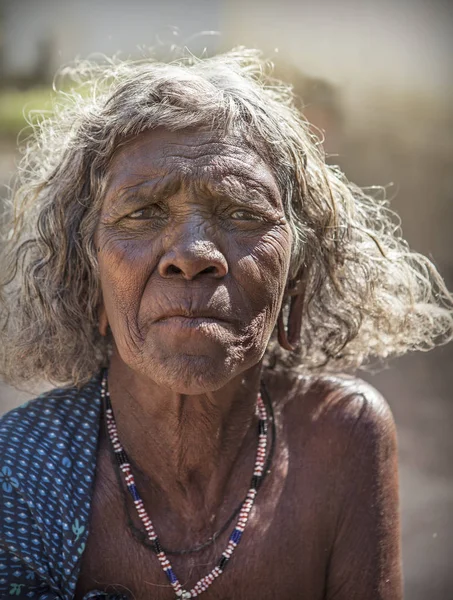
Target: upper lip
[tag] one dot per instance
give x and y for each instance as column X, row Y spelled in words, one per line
column 193, row 314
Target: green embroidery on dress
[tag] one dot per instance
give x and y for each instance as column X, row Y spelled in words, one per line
column 15, row 589
column 81, row 548
column 77, row 529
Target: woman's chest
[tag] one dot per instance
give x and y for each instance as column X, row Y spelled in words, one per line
column 270, row 562
column 282, row 554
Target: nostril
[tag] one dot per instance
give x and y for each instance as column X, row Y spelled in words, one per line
column 209, row 270
column 173, row 270
column 191, row 267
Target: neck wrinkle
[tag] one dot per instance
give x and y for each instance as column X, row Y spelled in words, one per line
column 186, row 449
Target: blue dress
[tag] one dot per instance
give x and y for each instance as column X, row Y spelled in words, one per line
column 48, row 451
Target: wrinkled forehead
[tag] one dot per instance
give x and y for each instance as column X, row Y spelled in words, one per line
column 188, row 154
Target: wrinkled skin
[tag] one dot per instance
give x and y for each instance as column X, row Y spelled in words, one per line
column 192, row 223
column 194, row 253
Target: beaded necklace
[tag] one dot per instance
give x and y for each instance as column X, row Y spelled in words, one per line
column 205, row 582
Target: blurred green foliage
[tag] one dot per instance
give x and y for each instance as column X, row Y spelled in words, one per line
column 18, row 107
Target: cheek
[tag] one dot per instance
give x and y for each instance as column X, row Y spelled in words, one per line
column 125, row 267
column 263, row 271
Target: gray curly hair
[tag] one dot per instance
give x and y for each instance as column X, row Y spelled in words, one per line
column 365, row 294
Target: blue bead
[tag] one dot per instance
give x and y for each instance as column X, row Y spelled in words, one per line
column 171, row 576
column 133, row 490
column 236, row 536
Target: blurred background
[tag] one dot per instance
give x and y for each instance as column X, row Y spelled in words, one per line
column 376, row 77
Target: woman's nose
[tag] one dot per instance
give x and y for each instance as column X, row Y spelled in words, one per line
column 191, row 259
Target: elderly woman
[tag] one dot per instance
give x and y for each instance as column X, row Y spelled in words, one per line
column 184, row 261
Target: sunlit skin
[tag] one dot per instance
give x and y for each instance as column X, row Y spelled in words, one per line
column 194, row 253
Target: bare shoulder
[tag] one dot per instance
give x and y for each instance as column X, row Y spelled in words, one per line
column 350, row 402
column 342, row 412
column 361, row 424
column 339, row 433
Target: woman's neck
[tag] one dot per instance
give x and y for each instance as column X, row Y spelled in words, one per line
column 185, row 447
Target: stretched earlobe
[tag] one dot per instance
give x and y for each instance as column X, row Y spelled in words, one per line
column 295, row 319
column 282, row 334
column 289, row 337
column 103, row 322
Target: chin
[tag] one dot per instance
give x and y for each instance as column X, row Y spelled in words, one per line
column 192, row 374
column 197, row 362
column 189, row 374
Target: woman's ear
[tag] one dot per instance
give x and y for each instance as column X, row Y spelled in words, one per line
column 295, row 319
column 289, row 336
column 103, row 322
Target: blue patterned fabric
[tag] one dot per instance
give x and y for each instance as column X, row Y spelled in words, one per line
column 48, row 450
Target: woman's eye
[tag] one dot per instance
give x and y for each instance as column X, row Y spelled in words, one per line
column 146, row 213
column 245, row 215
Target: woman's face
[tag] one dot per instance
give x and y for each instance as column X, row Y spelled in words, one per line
column 194, row 252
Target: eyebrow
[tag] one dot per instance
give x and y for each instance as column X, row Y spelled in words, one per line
column 166, row 185
column 233, row 187
column 127, row 194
